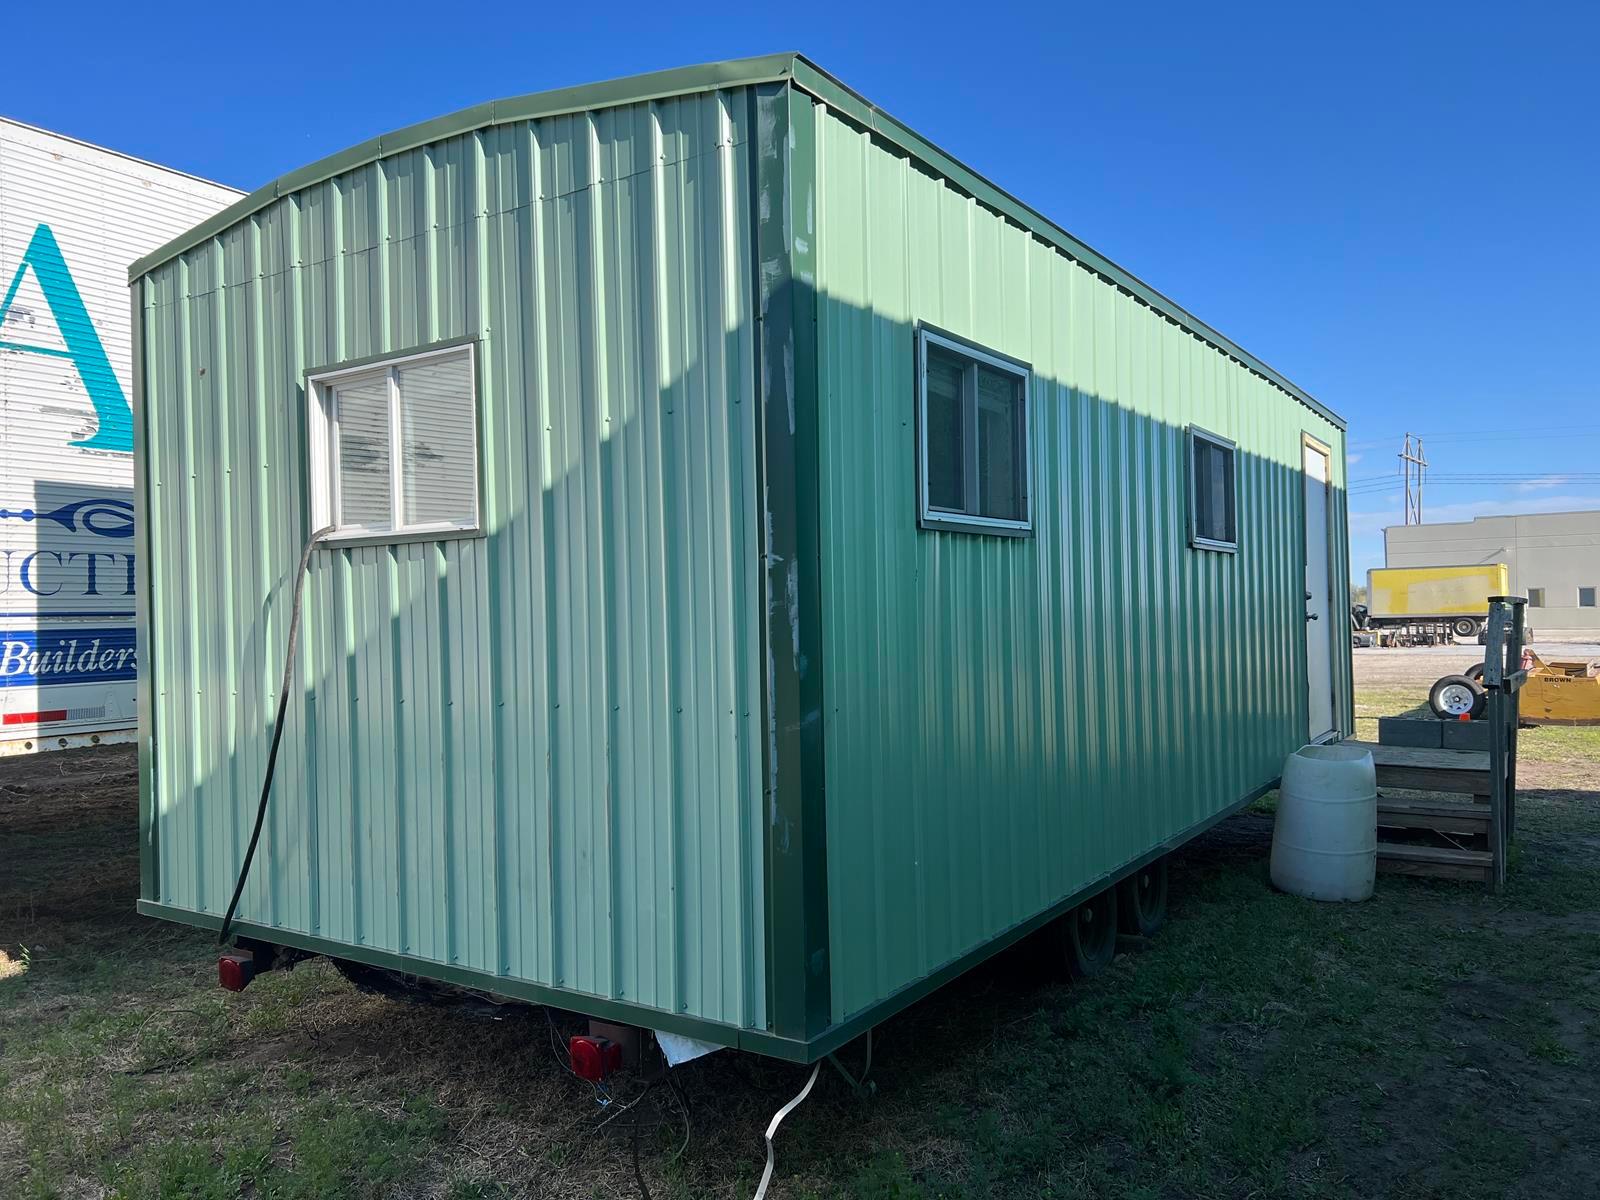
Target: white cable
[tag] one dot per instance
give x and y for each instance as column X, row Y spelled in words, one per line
column 777, row 1119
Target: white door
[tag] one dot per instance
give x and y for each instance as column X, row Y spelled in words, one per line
column 1320, row 624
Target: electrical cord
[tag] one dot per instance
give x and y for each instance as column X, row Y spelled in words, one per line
column 772, row 1129
column 277, row 732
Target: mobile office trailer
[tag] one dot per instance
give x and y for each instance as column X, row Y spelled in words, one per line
column 772, row 568
column 72, row 217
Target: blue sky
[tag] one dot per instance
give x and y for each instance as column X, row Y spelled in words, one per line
column 1397, row 206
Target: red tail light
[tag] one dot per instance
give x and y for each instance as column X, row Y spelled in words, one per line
column 235, row 971
column 593, row 1058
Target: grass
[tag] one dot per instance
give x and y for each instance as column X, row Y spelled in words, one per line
column 1436, row 1041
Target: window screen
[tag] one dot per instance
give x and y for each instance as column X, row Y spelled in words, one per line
column 974, row 462
column 1213, row 523
column 1586, row 597
column 397, row 446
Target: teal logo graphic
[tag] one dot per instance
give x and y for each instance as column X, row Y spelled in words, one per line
column 83, row 346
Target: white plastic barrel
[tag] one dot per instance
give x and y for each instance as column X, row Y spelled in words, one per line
column 1325, row 838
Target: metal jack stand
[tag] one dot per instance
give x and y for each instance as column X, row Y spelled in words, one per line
column 863, row 1087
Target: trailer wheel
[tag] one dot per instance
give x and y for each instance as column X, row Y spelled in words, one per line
column 1142, row 904
column 1464, row 627
column 1456, row 696
column 1089, row 935
column 1475, row 673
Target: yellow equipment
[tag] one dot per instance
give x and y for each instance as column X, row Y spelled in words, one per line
column 1561, row 692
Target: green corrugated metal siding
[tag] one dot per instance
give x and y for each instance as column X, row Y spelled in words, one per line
column 543, row 755
column 1007, row 720
column 534, row 754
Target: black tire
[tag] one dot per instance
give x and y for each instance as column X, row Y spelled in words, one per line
column 1464, row 627
column 1089, row 935
column 1455, row 695
column 1142, row 899
column 1474, row 673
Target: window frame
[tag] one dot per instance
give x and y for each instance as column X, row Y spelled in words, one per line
column 1193, row 434
column 929, row 517
column 323, row 447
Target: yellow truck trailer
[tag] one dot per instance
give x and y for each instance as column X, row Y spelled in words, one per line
column 1457, row 595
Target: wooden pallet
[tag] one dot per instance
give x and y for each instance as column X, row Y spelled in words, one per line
column 1423, row 769
column 1458, row 813
column 1447, row 862
column 1436, row 816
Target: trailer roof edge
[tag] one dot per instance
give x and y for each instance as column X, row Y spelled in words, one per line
column 744, row 72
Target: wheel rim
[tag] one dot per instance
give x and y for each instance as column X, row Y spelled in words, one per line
column 1144, row 892
column 1096, row 931
column 1456, row 699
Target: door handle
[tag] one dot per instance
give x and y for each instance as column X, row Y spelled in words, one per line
column 1311, row 616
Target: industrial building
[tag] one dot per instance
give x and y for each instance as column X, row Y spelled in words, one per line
column 1553, row 558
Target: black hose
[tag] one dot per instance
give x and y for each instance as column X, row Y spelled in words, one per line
column 277, row 732
column 638, row 1173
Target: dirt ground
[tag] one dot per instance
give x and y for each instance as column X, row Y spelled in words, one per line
column 1435, row 1042
column 1423, row 664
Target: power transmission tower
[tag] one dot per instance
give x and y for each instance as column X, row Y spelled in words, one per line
column 1412, row 466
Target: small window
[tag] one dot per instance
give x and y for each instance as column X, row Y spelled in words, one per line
column 1213, row 524
column 975, row 466
column 1586, row 597
column 1535, row 597
column 394, row 446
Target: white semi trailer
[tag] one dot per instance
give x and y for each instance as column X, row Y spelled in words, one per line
column 72, row 217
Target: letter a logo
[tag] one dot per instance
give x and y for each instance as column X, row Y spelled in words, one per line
column 82, row 343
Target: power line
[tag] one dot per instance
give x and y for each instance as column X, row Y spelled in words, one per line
column 1553, row 479
column 1457, row 435
column 1396, row 487
column 1505, row 477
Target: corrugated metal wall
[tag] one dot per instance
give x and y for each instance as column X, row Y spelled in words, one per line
column 1008, row 719
column 534, row 754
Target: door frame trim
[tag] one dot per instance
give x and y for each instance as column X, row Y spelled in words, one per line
column 1309, row 441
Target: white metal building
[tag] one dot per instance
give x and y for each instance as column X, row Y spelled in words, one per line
column 1554, row 560
column 72, row 217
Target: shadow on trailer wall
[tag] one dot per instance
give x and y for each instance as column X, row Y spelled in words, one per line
column 537, row 761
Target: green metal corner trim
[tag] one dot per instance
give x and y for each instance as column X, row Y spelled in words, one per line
column 144, row 688
column 795, row 850
column 600, row 1007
